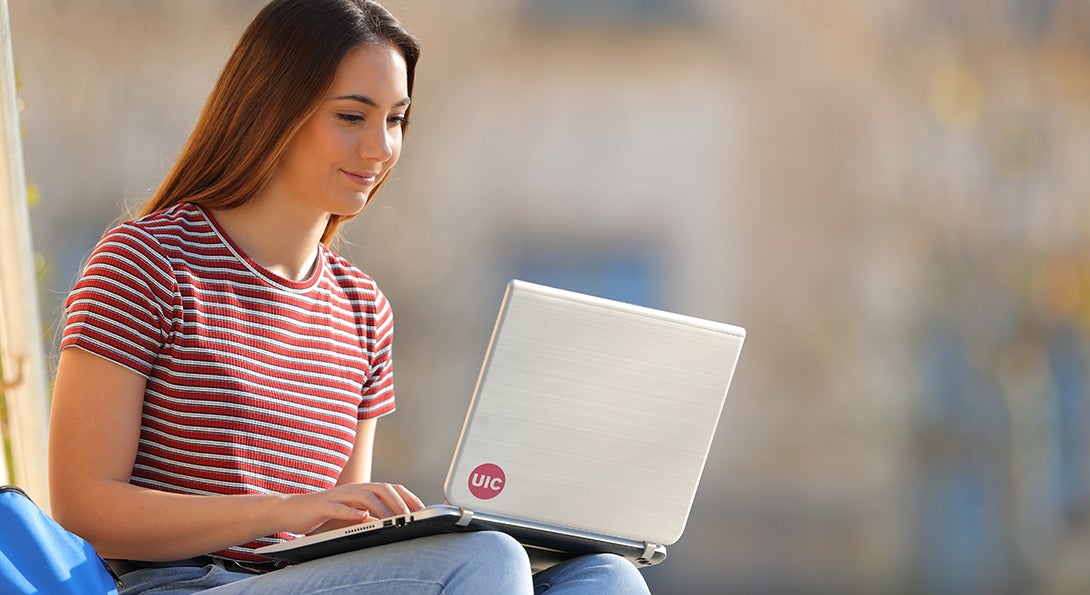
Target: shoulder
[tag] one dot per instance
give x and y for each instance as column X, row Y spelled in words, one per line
column 353, row 281
column 154, row 247
column 357, row 293
column 157, row 233
column 177, row 226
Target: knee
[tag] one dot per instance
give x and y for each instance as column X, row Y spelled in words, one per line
column 604, row 573
column 492, row 562
column 617, row 571
column 495, row 551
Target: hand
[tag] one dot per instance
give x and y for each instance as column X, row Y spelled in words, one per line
column 346, row 505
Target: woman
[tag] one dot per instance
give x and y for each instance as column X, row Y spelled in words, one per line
column 222, row 370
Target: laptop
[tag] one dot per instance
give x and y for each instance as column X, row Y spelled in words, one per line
column 588, row 431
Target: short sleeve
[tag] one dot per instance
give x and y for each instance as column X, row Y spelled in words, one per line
column 378, row 391
column 120, row 308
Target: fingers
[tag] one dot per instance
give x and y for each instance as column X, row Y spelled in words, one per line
column 411, row 501
column 346, row 505
column 380, row 499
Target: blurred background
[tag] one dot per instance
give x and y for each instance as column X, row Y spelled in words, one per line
column 887, row 194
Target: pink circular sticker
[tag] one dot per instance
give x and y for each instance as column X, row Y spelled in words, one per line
column 486, row 481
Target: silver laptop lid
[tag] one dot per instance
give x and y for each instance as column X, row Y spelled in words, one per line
column 593, row 414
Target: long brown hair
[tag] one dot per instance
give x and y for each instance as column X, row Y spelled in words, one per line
column 284, row 63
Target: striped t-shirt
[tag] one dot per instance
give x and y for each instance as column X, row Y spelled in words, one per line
column 255, row 383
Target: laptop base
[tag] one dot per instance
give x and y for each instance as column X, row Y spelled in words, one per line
column 545, row 544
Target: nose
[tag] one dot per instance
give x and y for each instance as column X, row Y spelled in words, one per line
column 379, row 141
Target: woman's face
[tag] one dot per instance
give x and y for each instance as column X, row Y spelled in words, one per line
column 349, row 144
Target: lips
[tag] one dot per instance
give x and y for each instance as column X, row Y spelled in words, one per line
column 361, row 178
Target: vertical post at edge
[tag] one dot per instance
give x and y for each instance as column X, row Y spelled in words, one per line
column 20, row 329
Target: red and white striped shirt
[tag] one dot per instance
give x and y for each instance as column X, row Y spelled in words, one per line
column 255, row 383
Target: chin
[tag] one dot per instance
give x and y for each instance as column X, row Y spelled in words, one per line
column 352, row 207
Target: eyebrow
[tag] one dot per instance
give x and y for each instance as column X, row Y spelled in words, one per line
column 371, row 102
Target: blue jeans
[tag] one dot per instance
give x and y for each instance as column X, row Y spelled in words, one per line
column 470, row 563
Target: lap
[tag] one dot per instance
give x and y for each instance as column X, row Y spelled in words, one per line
column 456, row 563
column 480, row 562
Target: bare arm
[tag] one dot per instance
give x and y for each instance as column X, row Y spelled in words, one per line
column 93, row 437
column 358, row 467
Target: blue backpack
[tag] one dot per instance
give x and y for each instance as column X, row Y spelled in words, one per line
column 38, row 556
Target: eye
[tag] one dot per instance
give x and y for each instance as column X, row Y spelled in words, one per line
column 350, row 118
column 398, row 120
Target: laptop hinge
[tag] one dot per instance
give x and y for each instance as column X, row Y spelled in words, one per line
column 465, row 519
column 648, row 552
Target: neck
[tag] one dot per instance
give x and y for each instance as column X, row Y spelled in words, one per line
column 284, row 242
